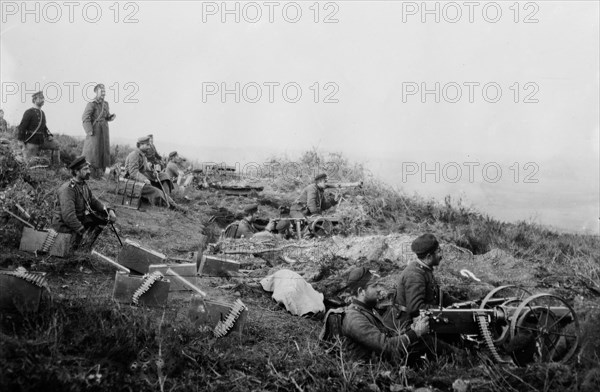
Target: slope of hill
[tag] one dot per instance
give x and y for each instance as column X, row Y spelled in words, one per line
column 82, row 339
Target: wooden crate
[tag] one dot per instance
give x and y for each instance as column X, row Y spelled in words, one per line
column 218, row 266
column 206, row 313
column 139, row 258
column 129, row 193
column 126, row 285
column 186, row 270
column 17, row 293
column 33, row 241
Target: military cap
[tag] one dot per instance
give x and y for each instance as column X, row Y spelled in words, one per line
column 143, row 139
column 424, row 244
column 251, row 209
column 38, row 94
column 320, row 177
column 78, row 163
column 172, row 154
column 361, row 277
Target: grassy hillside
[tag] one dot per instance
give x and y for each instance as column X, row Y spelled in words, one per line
column 81, row 339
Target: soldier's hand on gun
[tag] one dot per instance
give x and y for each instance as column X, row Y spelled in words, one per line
column 271, row 225
column 421, row 325
column 111, row 216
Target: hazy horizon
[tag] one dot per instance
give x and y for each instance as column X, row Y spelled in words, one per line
column 513, row 86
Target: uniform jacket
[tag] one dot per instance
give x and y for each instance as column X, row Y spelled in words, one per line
column 417, row 289
column 136, row 166
column 96, row 147
column 245, row 228
column 70, row 206
column 368, row 338
column 314, row 199
column 32, row 118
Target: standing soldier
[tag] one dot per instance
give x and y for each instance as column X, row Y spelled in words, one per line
column 77, row 211
column 33, row 131
column 96, row 147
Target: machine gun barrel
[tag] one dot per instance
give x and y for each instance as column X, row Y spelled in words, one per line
column 344, row 185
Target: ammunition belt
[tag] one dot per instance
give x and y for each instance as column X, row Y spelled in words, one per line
column 49, row 241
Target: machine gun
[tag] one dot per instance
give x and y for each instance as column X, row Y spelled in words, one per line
column 339, row 185
column 510, row 323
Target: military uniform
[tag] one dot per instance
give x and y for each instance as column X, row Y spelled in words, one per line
column 417, row 289
column 311, row 201
column 369, row 339
column 3, row 126
column 137, row 168
column 34, row 133
column 246, row 229
column 78, row 212
column 96, row 147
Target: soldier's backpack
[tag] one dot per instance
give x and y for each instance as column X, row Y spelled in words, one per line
column 331, row 333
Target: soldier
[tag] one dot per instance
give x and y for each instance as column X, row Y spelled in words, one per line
column 33, row 131
column 77, row 211
column 417, row 288
column 312, row 200
column 153, row 156
column 246, row 227
column 367, row 337
column 176, row 173
column 3, row 124
column 96, row 147
column 138, row 168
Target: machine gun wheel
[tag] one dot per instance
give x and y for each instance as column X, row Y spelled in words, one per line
column 546, row 328
column 503, row 296
column 321, row 227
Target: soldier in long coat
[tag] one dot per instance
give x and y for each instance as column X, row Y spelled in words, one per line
column 96, row 147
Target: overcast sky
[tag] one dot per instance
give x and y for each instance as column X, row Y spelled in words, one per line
column 166, row 70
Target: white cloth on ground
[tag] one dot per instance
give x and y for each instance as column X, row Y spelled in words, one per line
column 290, row 289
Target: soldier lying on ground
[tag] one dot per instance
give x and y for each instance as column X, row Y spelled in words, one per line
column 156, row 190
column 77, row 211
column 247, row 227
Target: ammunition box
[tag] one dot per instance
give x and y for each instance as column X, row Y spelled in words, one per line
column 206, row 313
column 187, row 271
column 129, row 193
column 17, row 293
column 59, row 244
column 127, row 285
column 217, row 266
column 138, row 258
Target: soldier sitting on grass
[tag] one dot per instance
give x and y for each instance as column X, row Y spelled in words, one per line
column 365, row 336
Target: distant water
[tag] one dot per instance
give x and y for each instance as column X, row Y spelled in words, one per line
column 551, row 194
